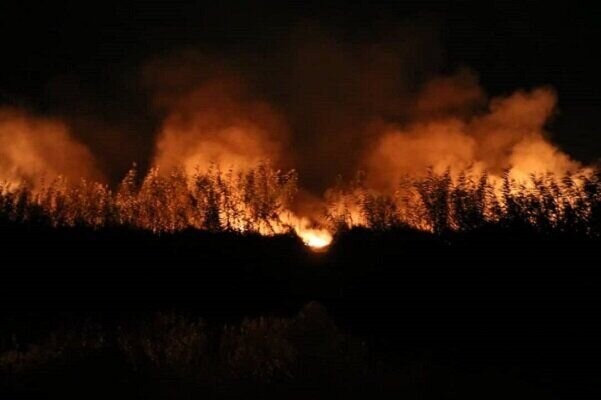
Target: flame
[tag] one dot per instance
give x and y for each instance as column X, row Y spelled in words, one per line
column 315, row 238
column 309, row 232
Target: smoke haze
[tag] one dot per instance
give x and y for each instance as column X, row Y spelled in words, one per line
column 321, row 103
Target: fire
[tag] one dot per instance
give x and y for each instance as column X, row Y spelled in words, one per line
column 219, row 153
column 315, row 238
column 311, row 234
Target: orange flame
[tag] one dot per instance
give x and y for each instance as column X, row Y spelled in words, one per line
column 313, row 236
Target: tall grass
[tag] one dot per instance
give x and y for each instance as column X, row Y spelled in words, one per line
column 258, row 200
column 440, row 203
column 214, row 200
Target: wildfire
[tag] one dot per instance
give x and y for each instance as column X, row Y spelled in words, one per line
column 458, row 160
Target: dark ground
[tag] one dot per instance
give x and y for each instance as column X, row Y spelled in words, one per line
column 489, row 314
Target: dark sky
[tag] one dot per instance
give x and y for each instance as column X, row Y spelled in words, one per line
column 97, row 48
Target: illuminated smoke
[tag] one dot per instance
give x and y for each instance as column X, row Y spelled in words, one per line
column 35, row 150
column 341, row 108
column 451, row 132
column 217, row 123
column 210, row 116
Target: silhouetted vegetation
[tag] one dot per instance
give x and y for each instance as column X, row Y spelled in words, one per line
column 452, row 285
column 176, row 355
column 441, row 203
column 259, row 200
column 213, row 200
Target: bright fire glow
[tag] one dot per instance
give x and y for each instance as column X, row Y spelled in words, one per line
column 315, row 238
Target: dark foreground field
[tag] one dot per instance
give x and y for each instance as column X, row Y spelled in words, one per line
column 496, row 313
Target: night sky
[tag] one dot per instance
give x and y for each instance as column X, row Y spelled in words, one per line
column 82, row 61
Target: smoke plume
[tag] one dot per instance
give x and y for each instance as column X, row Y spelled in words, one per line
column 211, row 118
column 318, row 103
column 34, row 150
column 451, row 132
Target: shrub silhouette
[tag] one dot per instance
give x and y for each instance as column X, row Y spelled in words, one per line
column 258, row 200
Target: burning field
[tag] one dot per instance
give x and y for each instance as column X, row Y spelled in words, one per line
column 204, row 200
column 451, row 159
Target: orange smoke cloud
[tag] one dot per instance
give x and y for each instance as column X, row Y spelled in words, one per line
column 452, row 132
column 455, row 95
column 410, row 151
column 218, row 123
column 34, row 149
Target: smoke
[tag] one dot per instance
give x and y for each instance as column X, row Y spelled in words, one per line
column 335, row 86
column 34, row 150
column 212, row 118
column 324, row 103
column 328, row 107
column 457, row 95
column 452, row 131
